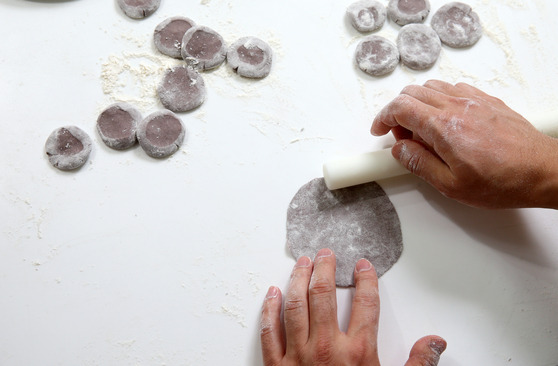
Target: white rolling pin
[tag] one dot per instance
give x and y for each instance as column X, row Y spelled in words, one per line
column 377, row 165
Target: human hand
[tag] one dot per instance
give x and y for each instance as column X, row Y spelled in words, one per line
column 471, row 146
column 311, row 333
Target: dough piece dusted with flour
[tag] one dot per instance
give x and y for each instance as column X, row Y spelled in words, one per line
column 203, row 47
column 161, row 134
column 182, row 89
column 169, row 33
column 138, row 9
column 408, row 11
column 250, row 57
column 376, row 55
column 355, row 222
column 68, row 147
column 419, row 46
column 367, row 15
column 117, row 125
column 457, row 25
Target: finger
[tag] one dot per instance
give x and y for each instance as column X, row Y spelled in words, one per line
column 296, row 315
column 443, row 87
column 401, row 133
column 437, row 98
column 271, row 334
column 411, row 114
column 422, row 162
column 322, row 298
column 426, row 351
column 366, row 303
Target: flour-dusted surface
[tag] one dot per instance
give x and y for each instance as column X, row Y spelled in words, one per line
column 139, row 261
column 355, row 222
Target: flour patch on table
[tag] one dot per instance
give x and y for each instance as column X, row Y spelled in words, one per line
column 355, row 222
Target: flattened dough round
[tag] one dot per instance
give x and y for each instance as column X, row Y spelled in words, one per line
column 182, row 89
column 204, row 46
column 457, row 25
column 169, row 33
column 419, row 46
column 161, row 134
column 355, row 222
column 250, row 57
column 408, row 11
column 138, row 9
column 68, row 147
column 367, row 15
column 117, row 125
column 376, row 55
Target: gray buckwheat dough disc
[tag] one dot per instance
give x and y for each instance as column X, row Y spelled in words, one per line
column 367, row 15
column 161, row 134
column 68, row 147
column 169, row 33
column 419, row 46
column 204, row 47
column 355, row 222
column 117, row 125
column 376, row 55
column 182, row 89
column 250, row 57
column 138, row 9
column 457, row 25
column 408, row 11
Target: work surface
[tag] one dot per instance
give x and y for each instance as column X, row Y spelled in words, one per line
column 137, row 261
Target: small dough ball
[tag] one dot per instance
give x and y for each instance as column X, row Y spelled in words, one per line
column 367, row 15
column 408, row 11
column 117, row 125
column 138, row 9
column 355, row 222
column 182, row 89
column 250, row 57
column 376, row 55
column 457, row 25
column 68, row 147
column 419, row 46
column 169, row 33
column 205, row 47
column 161, row 134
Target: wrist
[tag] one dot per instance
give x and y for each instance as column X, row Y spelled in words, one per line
column 547, row 190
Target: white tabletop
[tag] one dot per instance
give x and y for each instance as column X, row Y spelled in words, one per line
column 137, row 261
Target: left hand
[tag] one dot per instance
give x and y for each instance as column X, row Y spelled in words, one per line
column 312, row 335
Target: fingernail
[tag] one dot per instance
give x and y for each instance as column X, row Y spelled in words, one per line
column 303, row 262
column 438, row 346
column 363, row 265
column 322, row 253
column 272, row 293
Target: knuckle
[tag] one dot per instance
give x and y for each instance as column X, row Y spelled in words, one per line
column 361, row 352
column 411, row 90
column 319, row 286
column 293, row 304
column 414, row 163
column 323, row 351
column 366, row 300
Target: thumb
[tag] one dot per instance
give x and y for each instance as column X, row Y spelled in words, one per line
column 426, row 351
column 414, row 156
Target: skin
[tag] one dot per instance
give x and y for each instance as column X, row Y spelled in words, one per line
column 471, row 146
column 311, row 334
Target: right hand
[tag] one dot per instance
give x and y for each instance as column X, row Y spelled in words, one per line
column 471, row 146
